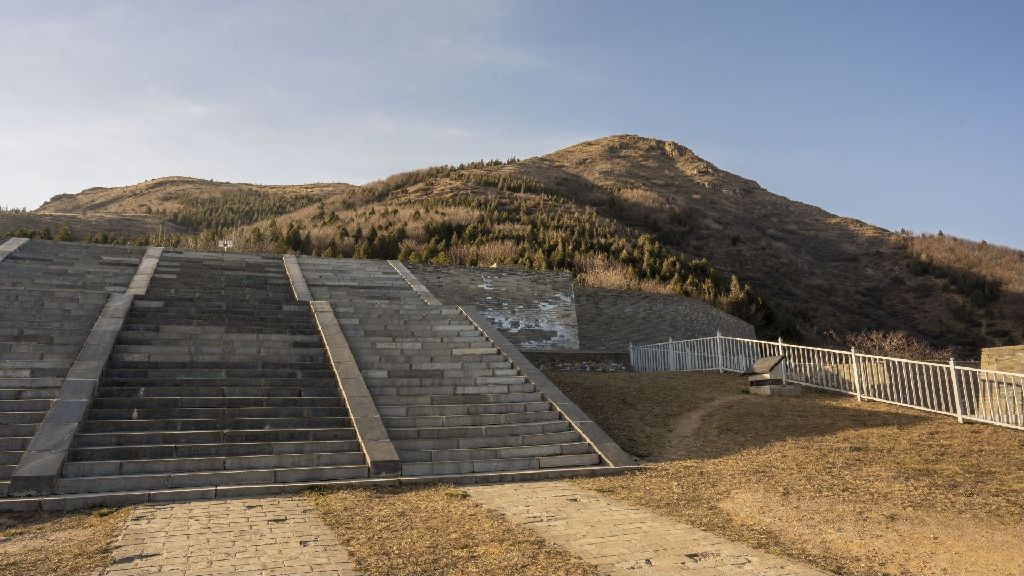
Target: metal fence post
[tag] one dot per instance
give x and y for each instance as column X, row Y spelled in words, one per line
column 718, row 346
column 856, row 372
column 784, row 367
column 673, row 361
column 632, row 358
column 956, row 390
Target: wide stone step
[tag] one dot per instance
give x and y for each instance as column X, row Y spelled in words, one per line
column 207, row 373
column 145, row 412
column 254, row 361
column 28, row 393
column 332, row 402
column 200, row 479
column 213, row 391
column 325, row 382
column 525, row 429
column 383, row 401
column 483, row 466
column 213, row 436
column 37, row 405
column 503, row 452
column 199, row 424
column 462, row 420
column 11, row 442
column 22, row 417
column 211, row 463
column 31, row 383
column 164, row 451
column 463, row 409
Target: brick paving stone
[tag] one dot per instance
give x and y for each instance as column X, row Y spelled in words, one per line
column 259, row 536
column 624, row 539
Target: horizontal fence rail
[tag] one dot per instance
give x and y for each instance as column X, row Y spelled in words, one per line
column 971, row 394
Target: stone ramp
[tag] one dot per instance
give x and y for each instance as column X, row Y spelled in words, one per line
column 229, row 537
column 625, row 540
column 50, row 295
column 218, row 378
column 451, row 401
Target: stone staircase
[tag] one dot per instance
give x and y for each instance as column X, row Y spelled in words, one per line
column 219, row 378
column 50, row 295
column 452, row 403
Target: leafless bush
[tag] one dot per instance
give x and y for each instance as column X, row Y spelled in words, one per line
column 896, row 344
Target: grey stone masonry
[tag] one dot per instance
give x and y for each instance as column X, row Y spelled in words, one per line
column 609, row 450
column 218, row 383
column 380, row 454
column 51, row 294
column 452, row 404
column 291, row 266
column 610, row 319
column 414, row 283
column 378, row 450
column 40, row 466
column 11, row 245
column 534, row 310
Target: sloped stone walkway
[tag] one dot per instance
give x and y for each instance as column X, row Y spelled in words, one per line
column 253, row 536
column 625, row 540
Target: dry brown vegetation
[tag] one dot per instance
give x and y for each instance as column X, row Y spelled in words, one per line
column 68, row 544
column 809, row 271
column 436, row 530
column 863, row 489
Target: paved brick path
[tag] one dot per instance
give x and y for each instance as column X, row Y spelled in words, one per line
column 264, row 536
column 622, row 539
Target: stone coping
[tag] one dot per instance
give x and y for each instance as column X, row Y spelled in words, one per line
column 381, row 455
column 415, row 283
column 127, row 498
column 11, row 245
column 40, row 465
column 295, row 276
column 603, row 444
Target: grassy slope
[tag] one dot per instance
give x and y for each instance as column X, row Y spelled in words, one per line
column 863, row 489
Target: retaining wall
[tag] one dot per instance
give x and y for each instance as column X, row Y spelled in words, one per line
column 1003, row 358
column 610, row 319
column 534, row 310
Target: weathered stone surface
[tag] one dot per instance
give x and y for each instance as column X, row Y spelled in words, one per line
column 1003, row 359
column 533, row 309
column 244, row 536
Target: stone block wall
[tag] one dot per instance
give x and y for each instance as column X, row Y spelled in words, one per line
column 1003, row 358
column 534, row 310
column 610, row 319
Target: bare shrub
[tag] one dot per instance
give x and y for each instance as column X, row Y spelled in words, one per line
column 600, row 271
column 497, row 252
column 893, row 343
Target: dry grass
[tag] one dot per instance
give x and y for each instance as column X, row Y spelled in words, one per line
column 856, row 488
column 436, row 530
column 67, row 544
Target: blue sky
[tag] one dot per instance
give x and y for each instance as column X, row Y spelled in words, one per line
column 900, row 113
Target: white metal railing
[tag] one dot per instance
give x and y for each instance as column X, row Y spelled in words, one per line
column 967, row 393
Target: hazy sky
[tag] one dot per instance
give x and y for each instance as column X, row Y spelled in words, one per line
column 901, row 113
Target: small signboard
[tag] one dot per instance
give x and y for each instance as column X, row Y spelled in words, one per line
column 225, row 244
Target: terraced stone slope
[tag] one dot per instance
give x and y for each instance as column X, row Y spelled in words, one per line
column 218, row 378
column 452, row 403
column 50, row 295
